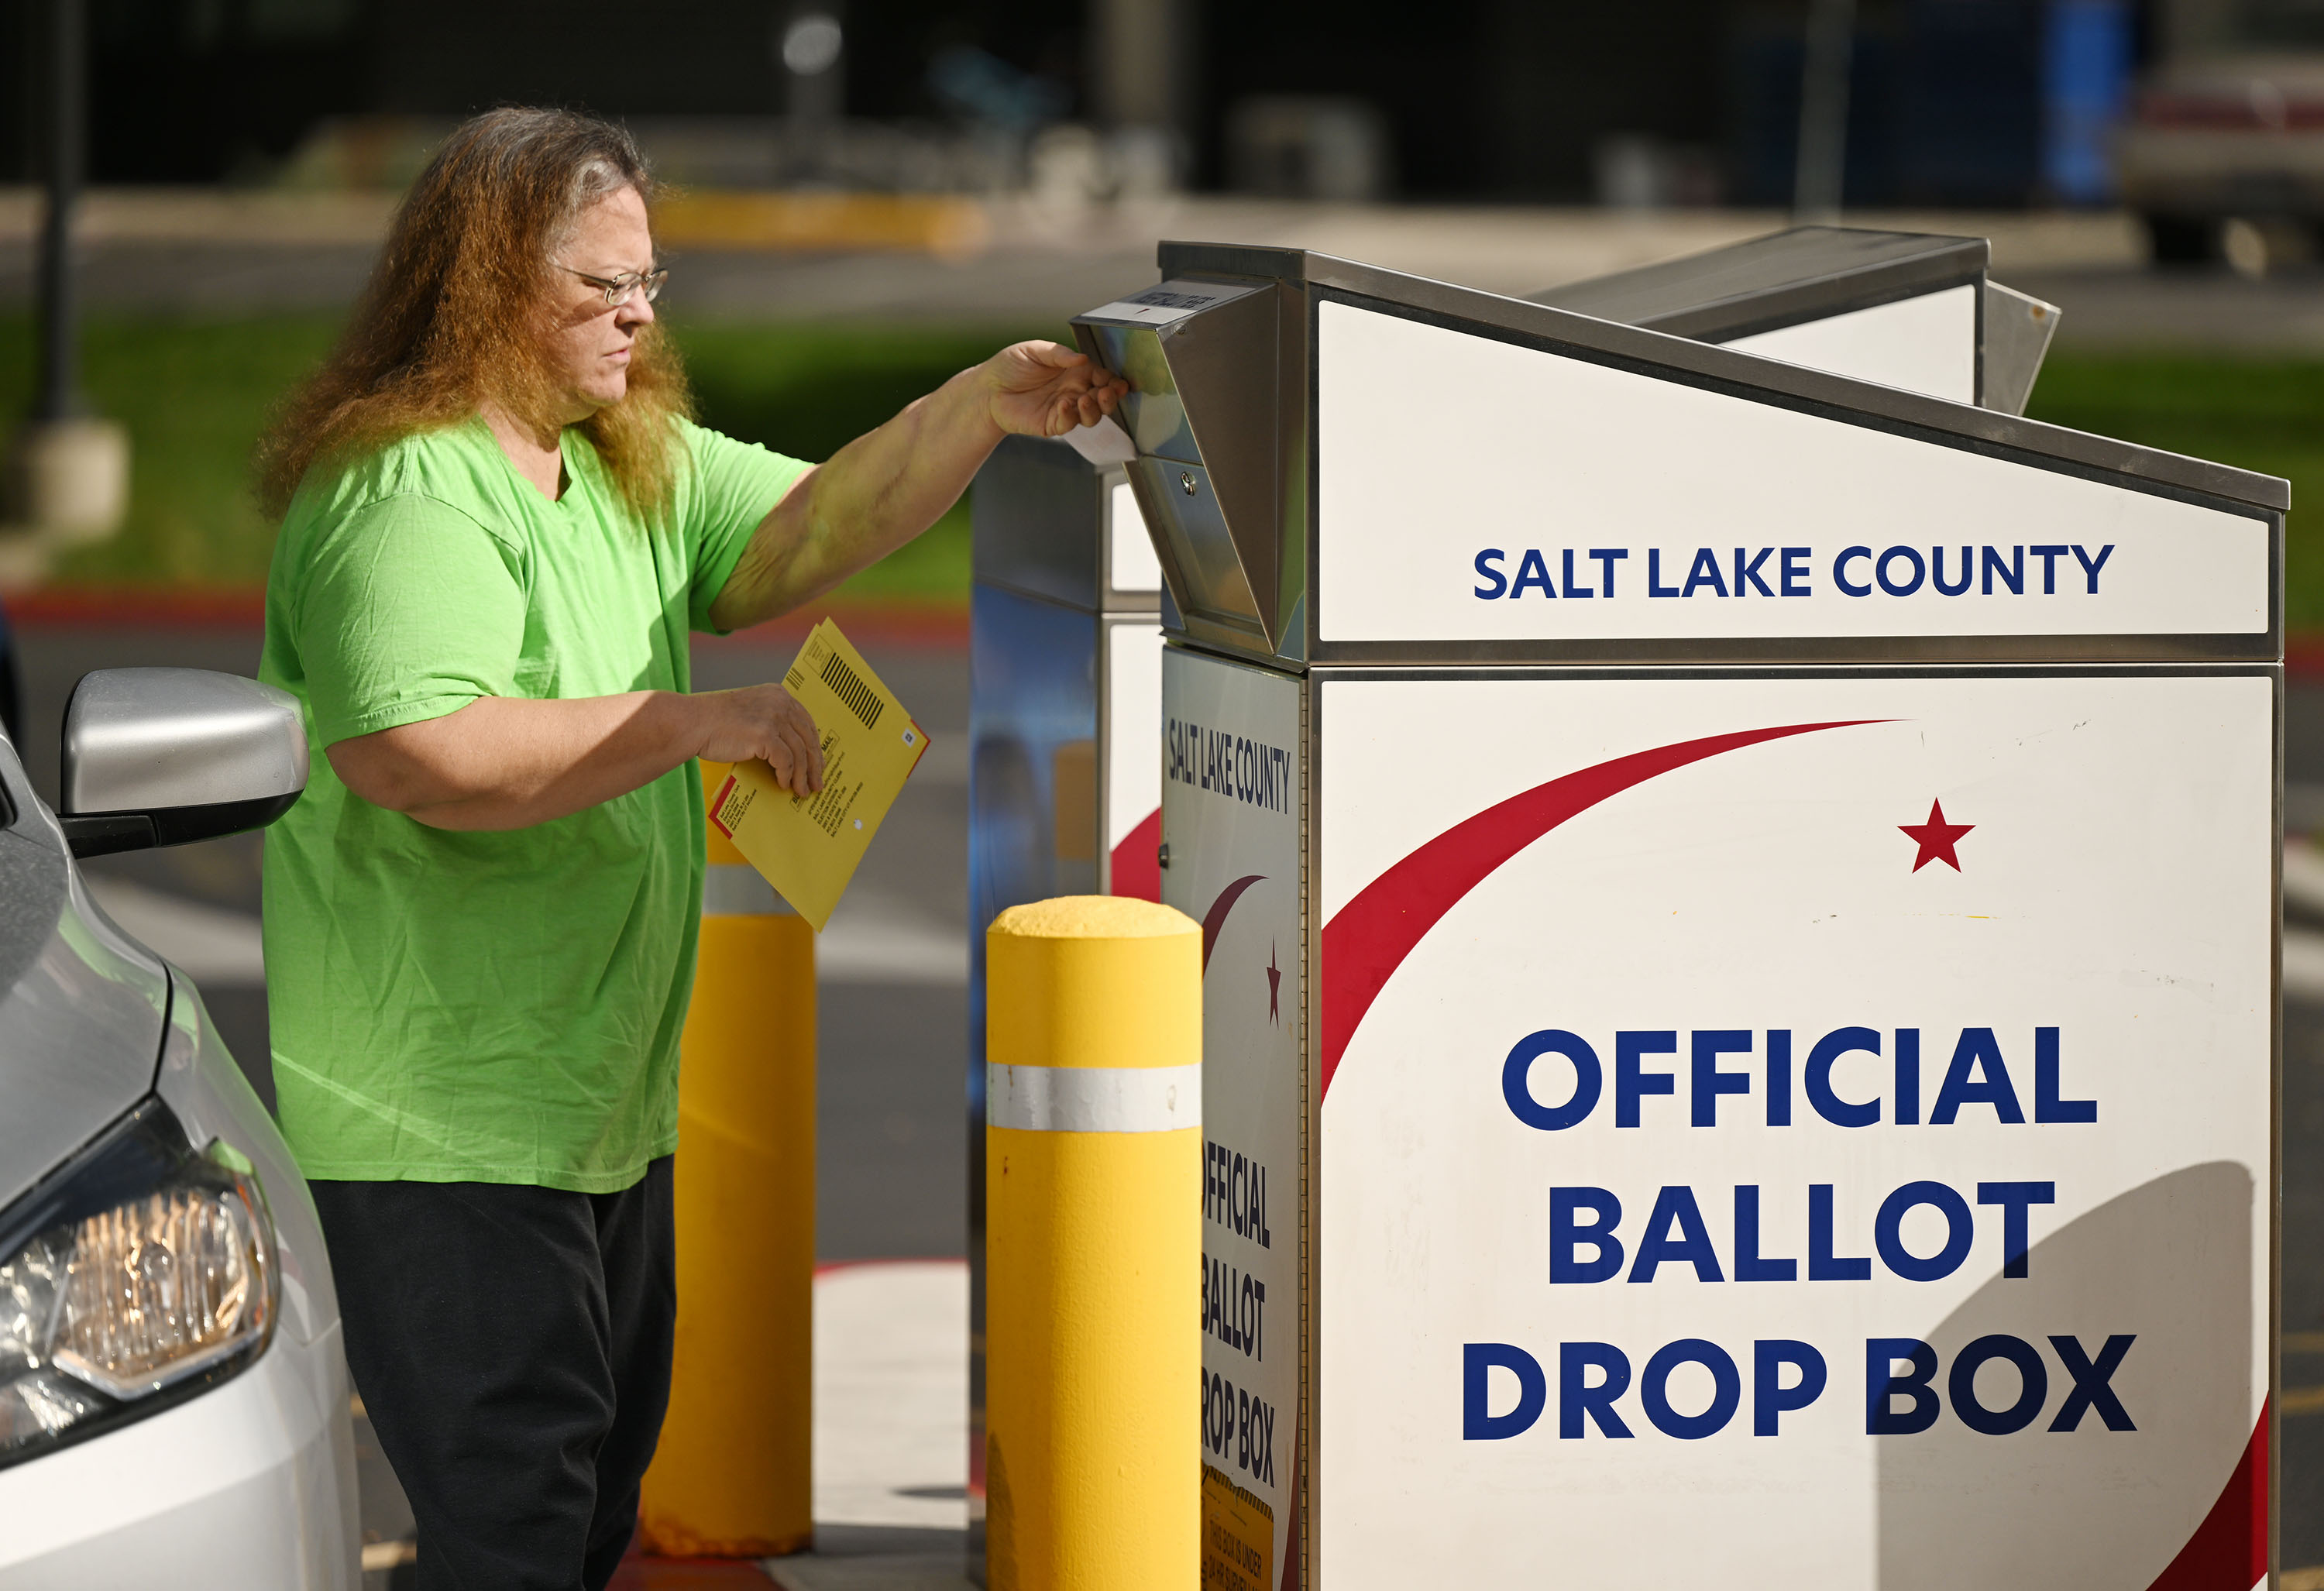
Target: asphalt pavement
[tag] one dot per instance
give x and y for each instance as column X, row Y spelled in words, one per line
column 219, row 251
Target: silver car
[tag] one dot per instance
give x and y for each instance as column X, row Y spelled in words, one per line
column 173, row 1394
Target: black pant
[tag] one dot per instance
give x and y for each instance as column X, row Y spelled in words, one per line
column 512, row 1345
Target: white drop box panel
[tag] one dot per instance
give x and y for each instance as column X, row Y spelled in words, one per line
column 1671, row 1054
column 1543, row 497
column 1232, row 814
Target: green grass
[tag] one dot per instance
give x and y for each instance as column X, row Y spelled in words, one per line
column 2264, row 415
column 194, row 394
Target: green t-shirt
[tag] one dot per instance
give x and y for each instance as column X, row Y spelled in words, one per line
column 504, row 1007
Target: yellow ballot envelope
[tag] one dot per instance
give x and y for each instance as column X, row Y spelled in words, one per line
column 807, row 846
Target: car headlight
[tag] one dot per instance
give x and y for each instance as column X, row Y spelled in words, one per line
column 141, row 1274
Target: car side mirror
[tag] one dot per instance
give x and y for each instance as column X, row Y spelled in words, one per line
column 168, row 756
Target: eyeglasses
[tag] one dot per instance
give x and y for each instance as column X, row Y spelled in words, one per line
column 620, row 290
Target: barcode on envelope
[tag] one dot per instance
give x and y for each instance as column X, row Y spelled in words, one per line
column 849, row 687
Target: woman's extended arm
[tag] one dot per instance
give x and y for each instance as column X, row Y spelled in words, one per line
column 889, row 485
column 505, row 762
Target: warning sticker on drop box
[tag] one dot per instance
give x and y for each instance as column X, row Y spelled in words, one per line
column 808, row 846
column 1238, row 1537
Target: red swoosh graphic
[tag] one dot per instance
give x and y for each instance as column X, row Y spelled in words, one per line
column 2228, row 1550
column 1291, row 1535
column 1137, row 871
column 1367, row 939
column 1216, row 917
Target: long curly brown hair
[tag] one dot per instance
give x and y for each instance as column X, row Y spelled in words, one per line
column 455, row 314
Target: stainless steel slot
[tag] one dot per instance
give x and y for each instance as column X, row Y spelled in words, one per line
column 1178, row 498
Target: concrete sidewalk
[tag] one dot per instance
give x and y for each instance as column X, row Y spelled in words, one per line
column 891, row 1430
column 891, row 1443
column 232, row 252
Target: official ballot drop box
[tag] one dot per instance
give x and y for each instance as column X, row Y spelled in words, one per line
column 1739, row 915
column 1069, row 609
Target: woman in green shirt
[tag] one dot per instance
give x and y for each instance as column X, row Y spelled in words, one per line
column 499, row 526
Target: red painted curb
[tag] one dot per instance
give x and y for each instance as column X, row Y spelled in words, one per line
column 66, row 607
column 825, row 1267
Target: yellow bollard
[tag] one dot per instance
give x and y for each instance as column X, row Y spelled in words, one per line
column 732, row 1477
column 1093, row 1181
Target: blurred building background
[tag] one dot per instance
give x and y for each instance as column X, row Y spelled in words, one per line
column 1975, row 103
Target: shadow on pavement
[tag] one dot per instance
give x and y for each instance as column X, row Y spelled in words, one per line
column 877, row 1558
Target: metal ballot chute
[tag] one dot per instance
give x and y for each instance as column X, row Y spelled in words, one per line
column 1205, row 419
column 1906, row 310
column 1786, row 278
column 1739, row 908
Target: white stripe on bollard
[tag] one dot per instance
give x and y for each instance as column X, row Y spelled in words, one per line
column 732, row 890
column 1094, row 1099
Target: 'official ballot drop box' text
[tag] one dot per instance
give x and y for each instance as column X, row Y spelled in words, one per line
column 1739, row 909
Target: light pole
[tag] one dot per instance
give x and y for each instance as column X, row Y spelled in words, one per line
column 1821, row 169
column 68, row 42
column 68, row 471
column 1142, row 71
column 809, row 47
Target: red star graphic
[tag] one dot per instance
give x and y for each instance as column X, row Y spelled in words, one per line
column 1274, row 986
column 1936, row 838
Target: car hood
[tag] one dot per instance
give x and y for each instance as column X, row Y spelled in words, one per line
column 82, row 1004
